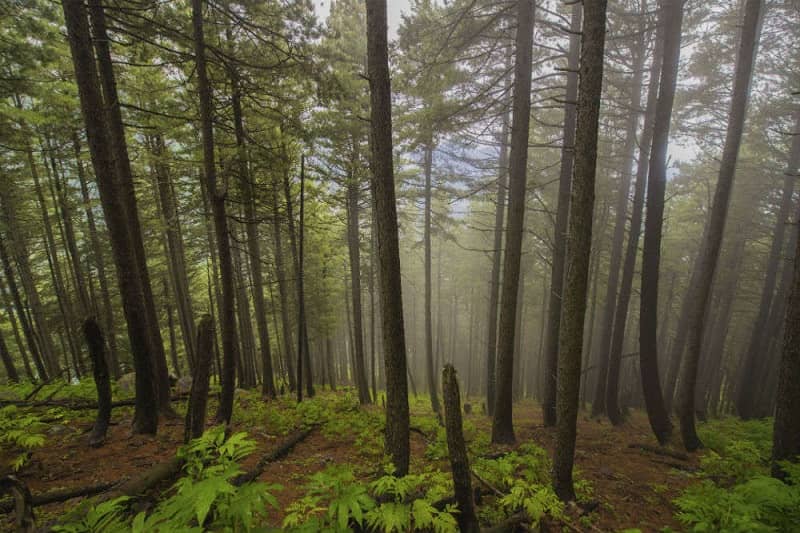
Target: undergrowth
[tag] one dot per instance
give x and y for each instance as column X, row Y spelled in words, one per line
column 736, row 493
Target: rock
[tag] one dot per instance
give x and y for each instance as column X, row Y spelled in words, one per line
column 127, row 384
column 57, row 429
column 183, row 385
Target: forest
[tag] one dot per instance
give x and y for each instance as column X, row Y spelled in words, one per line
column 419, row 265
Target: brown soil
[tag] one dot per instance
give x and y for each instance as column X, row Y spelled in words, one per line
column 634, row 487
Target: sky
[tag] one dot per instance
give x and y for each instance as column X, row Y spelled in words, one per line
column 394, row 9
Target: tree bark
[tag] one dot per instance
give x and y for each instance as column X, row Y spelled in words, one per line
column 217, row 200
column 457, row 448
column 502, row 423
column 102, row 381
column 751, row 28
column 429, row 363
column 570, row 339
column 621, row 217
column 98, row 261
column 124, row 177
column 353, row 245
column 671, row 18
column 560, row 229
column 146, row 411
column 786, row 427
column 393, row 328
column 8, row 361
column 198, row 396
column 280, row 272
column 746, row 393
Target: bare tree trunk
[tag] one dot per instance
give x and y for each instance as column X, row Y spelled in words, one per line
column 124, row 177
column 560, row 231
column 746, row 392
column 176, row 255
column 8, row 362
column 497, row 256
column 217, row 199
column 99, row 263
column 96, row 344
column 671, row 18
column 621, row 217
column 198, row 396
column 457, row 448
column 23, row 352
column 429, row 363
column 280, row 272
column 146, row 410
column 751, row 28
column 786, row 428
column 303, row 356
column 394, row 346
column 353, row 245
column 502, row 422
column 253, row 243
column 578, row 245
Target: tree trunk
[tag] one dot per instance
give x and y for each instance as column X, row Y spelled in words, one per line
column 96, row 344
column 570, row 338
column 497, row 256
column 560, row 230
column 99, row 263
column 176, row 255
column 502, row 423
column 746, row 393
column 146, row 410
column 353, row 245
column 253, row 242
column 621, row 217
column 8, row 362
column 23, row 352
column 198, row 396
column 786, row 428
column 751, row 28
column 124, row 177
column 671, row 18
column 429, row 363
column 457, row 448
column 280, row 272
column 217, row 199
column 394, row 346
column 303, row 355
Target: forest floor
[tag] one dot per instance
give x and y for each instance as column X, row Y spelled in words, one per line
column 619, row 469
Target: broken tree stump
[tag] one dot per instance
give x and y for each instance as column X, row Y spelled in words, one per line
column 23, row 519
column 198, row 396
column 457, row 448
column 96, row 344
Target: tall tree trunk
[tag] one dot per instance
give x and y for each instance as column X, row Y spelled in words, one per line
column 671, row 18
column 497, row 257
column 786, row 428
column 25, row 323
column 394, row 345
column 23, row 352
column 746, row 393
column 124, row 176
column 303, row 355
column 621, row 217
column 280, row 272
column 253, row 242
column 353, row 245
column 146, row 409
column 502, row 423
column 99, row 263
column 429, row 363
column 719, row 212
column 176, row 256
column 8, row 362
column 216, row 198
column 560, row 230
column 579, row 245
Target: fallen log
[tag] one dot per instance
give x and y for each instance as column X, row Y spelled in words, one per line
column 273, row 456
column 660, row 451
column 58, row 496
